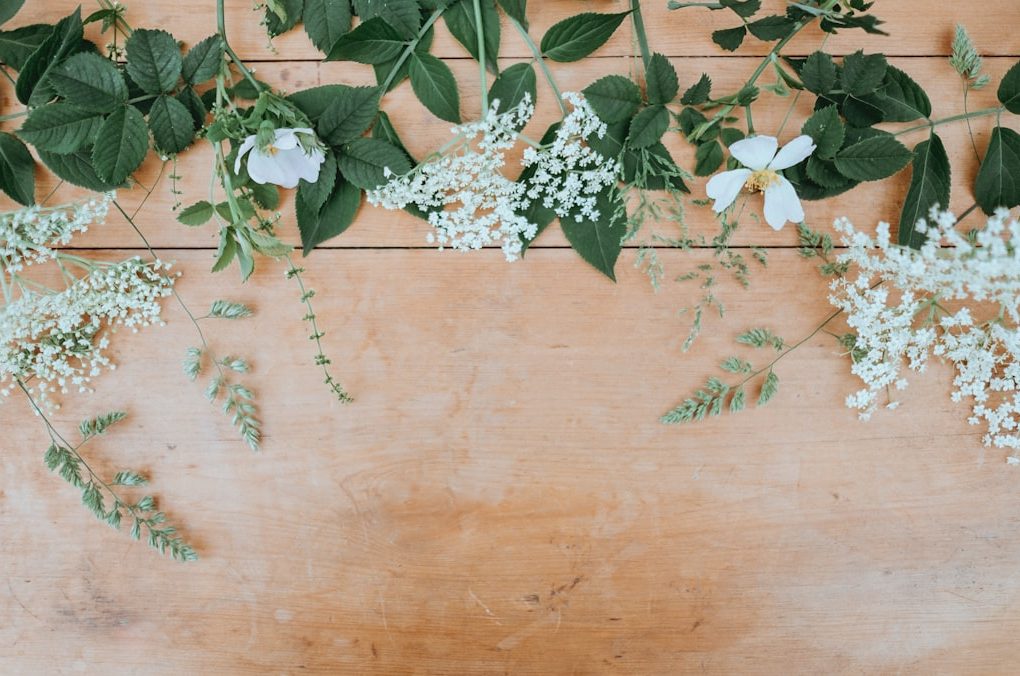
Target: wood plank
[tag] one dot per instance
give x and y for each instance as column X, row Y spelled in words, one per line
column 501, row 497
column 674, row 33
column 423, row 133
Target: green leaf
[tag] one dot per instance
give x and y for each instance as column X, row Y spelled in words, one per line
column 282, row 15
column 729, row 38
column 76, row 168
column 373, row 41
column 326, row 21
column 364, row 161
column 460, row 19
column 196, row 214
column 708, row 158
column 314, row 102
column 66, row 39
column 743, row 8
column 516, row 10
column 661, row 81
column 314, row 195
column 826, row 130
column 173, row 128
column 699, row 92
column 153, row 60
column 403, row 15
column 574, row 38
column 60, row 127
column 769, row 388
column 998, row 180
column 902, row 99
column 824, row 173
column 614, row 98
column 121, row 144
column 8, row 8
column 349, row 115
column 19, row 44
column 91, row 82
column 383, row 70
column 819, row 73
column 203, row 61
column 17, row 170
column 334, row 217
column 862, row 112
column 1009, row 89
column 435, row 86
column 193, row 102
column 598, row 241
column 873, row 159
column 512, row 85
column 770, row 28
column 862, row 74
column 266, row 195
column 648, row 126
column 930, row 185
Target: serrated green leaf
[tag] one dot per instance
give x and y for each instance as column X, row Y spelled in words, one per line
column 120, row 145
column 729, row 38
column 1009, row 89
column 18, row 44
column 661, row 81
column 862, row 74
column 8, row 8
column 743, row 8
column 873, row 159
column 824, row 172
column 862, row 112
column 708, row 157
column 699, row 92
column 648, row 126
column 314, row 102
column 512, row 85
column 332, row 219
column 373, row 41
column 818, row 73
column 153, row 60
column 203, row 61
column 998, row 180
column 91, row 82
column 598, row 241
column 193, row 102
column 33, row 87
column 769, row 28
column 173, row 128
column 614, row 98
column 282, row 15
column 196, row 214
column 902, row 99
column 60, row 127
column 826, row 130
column 435, row 86
column 348, row 116
column 17, row 170
column 930, row 185
column 403, row 15
column 516, row 10
column 76, row 168
column 363, row 162
column 314, row 195
column 326, row 21
column 460, row 19
column 576, row 37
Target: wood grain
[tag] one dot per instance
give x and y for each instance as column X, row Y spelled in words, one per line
column 500, row 498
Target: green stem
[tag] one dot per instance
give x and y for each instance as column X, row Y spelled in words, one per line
column 537, row 54
column 681, row 5
column 984, row 112
column 13, row 116
column 221, row 26
column 409, row 49
column 642, row 36
column 481, row 56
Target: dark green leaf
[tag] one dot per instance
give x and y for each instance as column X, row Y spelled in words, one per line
column 902, row 99
column 512, row 85
column 403, row 15
column 334, row 217
column 862, row 112
column 154, row 60
column 364, row 162
column 314, row 195
column 574, row 38
column 196, row 214
column 613, row 98
column 661, row 81
column 598, row 241
column 652, row 168
column 349, row 115
column 314, row 102
column 193, row 102
column 708, row 158
column 930, row 185
column 873, row 159
column 699, row 92
column 729, row 38
column 770, row 28
column 19, row 44
column 173, row 128
column 326, row 21
column 291, row 14
column 824, row 173
column 460, row 19
column 120, row 145
column 8, row 8
column 516, row 10
column 819, row 73
column 827, row 131
column 648, row 126
column 998, row 180
column 17, row 170
column 66, row 39
column 266, row 195
column 862, row 74
column 91, row 82
column 399, row 72
column 1009, row 89
column 373, row 41
column 60, row 128
column 730, row 135
column 203, row 61
column 743, row 8
column 76, row 168
column 435, row 86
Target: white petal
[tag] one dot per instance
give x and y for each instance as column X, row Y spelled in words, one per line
column 295, row 164
column 782, row 204
column 263, row 168
column 794, row 152
column 755, row 152
column 725, row 187
column 247, row 145
column 285, row 139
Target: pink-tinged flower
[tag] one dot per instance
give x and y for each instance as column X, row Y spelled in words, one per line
column 763, row 164
column 284, row 161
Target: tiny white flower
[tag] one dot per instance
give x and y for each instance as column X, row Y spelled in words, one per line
column 761, row 174
column 285, row 161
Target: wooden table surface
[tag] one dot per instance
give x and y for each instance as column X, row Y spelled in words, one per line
column 501, row 497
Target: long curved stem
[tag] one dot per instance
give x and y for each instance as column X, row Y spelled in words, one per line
column 984, row 112
column 479, row 28
column 639, row 29
column 221, row 26
column 537, row 54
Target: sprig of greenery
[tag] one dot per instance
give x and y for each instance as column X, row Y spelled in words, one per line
column 321, row 360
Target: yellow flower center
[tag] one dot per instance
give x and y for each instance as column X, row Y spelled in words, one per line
column 760, row 180
column 272, row 150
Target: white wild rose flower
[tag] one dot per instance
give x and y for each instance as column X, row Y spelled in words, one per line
column 293, row 155
column 762, row 165
column 895, row 306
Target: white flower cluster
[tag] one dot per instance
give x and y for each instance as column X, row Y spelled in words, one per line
column 29, row 235
column 472, row 204
column 895, row 306
column 53, row 341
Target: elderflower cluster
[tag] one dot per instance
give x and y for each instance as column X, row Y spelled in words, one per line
column 31, row 234
column 568, row 175
column 895, row 306
column 485, row 204
column 54, row 341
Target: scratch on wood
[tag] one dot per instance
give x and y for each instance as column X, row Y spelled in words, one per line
column 484, row 607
